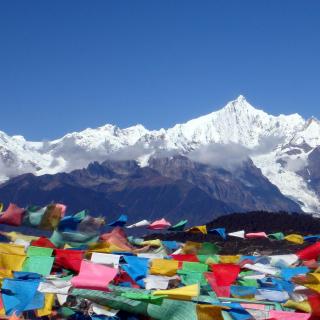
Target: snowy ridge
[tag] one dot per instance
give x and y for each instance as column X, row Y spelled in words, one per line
column 290, row 183
column 278, row 145
column 238, row 122
column 310, row 134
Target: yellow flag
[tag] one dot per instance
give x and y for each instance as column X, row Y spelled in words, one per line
column 313, row 278
column 191, row 247
column 164, row 267
column 47, row 308
column 198, row 229
column 313, row 286
column 11, row 248
column 209, row 312
column 182, row 293
column 5, row 274
column 313, row 281
column 229, row 259
column 17, row 235
column 106, row 247
column 154, row 243
column 98, row 245
column 212, row 260
column 294, row 238
column 301, row 306
column 12, row 262
column 103, row 247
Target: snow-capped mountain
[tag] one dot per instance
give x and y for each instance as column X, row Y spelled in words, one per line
column 278, row 145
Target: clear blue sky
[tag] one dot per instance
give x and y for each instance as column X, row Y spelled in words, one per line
column 69, row 64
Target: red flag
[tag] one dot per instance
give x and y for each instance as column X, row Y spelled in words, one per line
column 43, row 242
column 225, row 273
column 185, row 257
column 222, row 277
column 221, row 291
column 68, row 259
column 314, row 301
column 310, row 252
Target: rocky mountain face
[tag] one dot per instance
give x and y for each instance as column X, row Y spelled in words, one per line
column 283, row 147
column 174, row 187
column 242, row 189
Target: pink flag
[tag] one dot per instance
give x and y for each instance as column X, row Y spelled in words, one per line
column 253, row 306
column 93, row 276
column 285, row 315
column 255, row 235
column 159, row 224
column 12, row 216
column 62, row 207
column 118, row 238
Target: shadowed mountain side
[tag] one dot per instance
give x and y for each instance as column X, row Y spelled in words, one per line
column 175, row 188
column 28, row 189
column 244, row 188
column 147, row 198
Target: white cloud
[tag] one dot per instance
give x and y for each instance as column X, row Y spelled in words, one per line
column 227, row 156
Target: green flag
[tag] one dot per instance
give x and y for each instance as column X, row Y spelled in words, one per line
column 38, row 264
column 179, row 226
column 39, row 251
column 276, row 235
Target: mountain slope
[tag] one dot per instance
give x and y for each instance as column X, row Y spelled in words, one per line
column 173, row 187
column 278, row 145
column 243, row 189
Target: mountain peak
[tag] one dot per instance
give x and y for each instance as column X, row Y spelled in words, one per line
column 241, row 98
column 238, row 105
column 311, row 121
